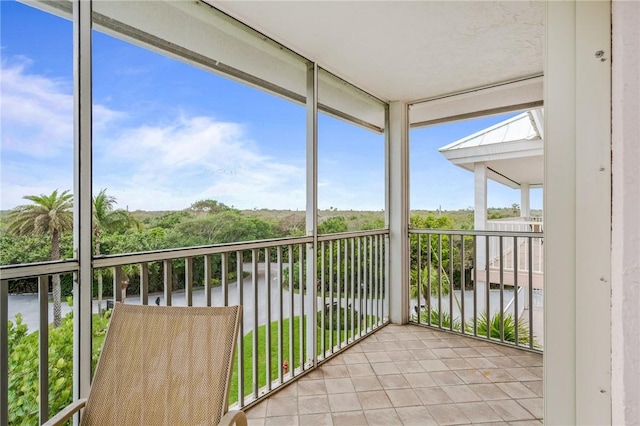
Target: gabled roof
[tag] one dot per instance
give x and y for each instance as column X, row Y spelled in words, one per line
column 512, row 150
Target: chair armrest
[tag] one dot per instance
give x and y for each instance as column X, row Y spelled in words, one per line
column 234, row 417
column 66, row 413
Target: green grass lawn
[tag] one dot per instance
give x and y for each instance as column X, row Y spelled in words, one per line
column 262, row 352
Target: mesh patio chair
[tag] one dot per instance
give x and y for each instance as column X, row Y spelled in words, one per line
column 163, row 366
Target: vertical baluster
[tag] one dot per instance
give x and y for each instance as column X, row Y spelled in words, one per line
column 339, row 294
column 502, row 258
column 207, row 279
column 462, row 284
column 369, row 284
column 224, row 270
column 487, row 289
column 144, row 283
column 43, row 348
column 254, row 349
column 280, row 316
column 475, row 285
column 301, row 274
column 451, row 283
column 332, row 284
column 168, row 281
column 516, row 270
column 291, row 313
column 240, row 291
column 267, row 282
column 428, row 297
column 4, row 352
column 352, row 288
column 360, row 307
column 188, row 280
column 374, row 300
column 323, row 313
column 418, row 278
column 530, row 240
column 346, row 287
column 440, row 281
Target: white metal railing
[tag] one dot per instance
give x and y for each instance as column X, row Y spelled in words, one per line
column 451, row 291
column 505, row 253
column 299, row 323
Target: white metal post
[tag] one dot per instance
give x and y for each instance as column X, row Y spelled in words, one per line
column 480, row 211
column 83, row 197
column 311, row 300
column 525, row 203
column 398, row 210
column 577, row 331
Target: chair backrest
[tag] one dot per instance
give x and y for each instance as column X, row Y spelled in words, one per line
column 164, row 366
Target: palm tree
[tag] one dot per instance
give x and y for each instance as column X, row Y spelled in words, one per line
column 49, row 215
column 105, row 218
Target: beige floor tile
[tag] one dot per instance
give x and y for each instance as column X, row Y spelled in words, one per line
column 282, row 407
column 443, row 353
column 420, row 380
column 314, row 404
column 406, row 336
column 374, row 399
column 435, row 344
column 311, row 387
column 448, row 414
column 356, row 370
column 537, row 371
column 256, row 422
column 446, row 378
column 472, row 376
column 402, row 355
column 432, row 396
column 377, row 357
column 366, row 383
column 488, row 351
column 457, row 364
column 334, row 371
column 530, row 360
column 526, row 423
column 467, row 352
column 403, row 397
column 316, row 420
column 291, row 389
column 344, row 402
column 352, row 418
column 340, row 385
column 536, row 387
column 382, row 368
column 411, row 344
column 314, row 374
column 503, row 361
column 481, row 362
column 257, row 411
column 281, row 421
column 497, row 375
column 479, row 412
column 406, row 367
column 488, row 391
column 533, row 405
column 516, row 390
column 422, row 354
column 393, row 381
column 430, row 365
column 387, row 337
column 461, row 393
column 382, row 417
column 415, row 416
column 372, row 347
column 523, row 374
column 354, row 358
column 510, row 410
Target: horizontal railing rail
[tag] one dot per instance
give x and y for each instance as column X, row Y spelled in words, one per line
column 456, row 286
column 290, row 323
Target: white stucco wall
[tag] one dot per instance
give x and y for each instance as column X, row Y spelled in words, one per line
column 625, row 277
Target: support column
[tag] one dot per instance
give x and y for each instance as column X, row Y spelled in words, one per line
column 311, row 298
column 625, row 253
column 525, row 197
column 397, row 206
column 577, row 329
column 480, row 211
column 82, row 209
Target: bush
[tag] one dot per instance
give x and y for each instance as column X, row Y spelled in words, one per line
column 23, row 367
column 338, row 317
column 509, row 329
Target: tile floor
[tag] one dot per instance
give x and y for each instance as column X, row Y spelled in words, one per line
column 410, row 375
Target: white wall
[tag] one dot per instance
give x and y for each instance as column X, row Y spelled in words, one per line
column 625, row 253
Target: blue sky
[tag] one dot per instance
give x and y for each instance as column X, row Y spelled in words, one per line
column 167, row 134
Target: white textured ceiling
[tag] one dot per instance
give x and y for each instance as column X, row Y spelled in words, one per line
column 410, row 50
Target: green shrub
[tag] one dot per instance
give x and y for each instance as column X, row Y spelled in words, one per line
column 509, row 328
column 23, row 367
